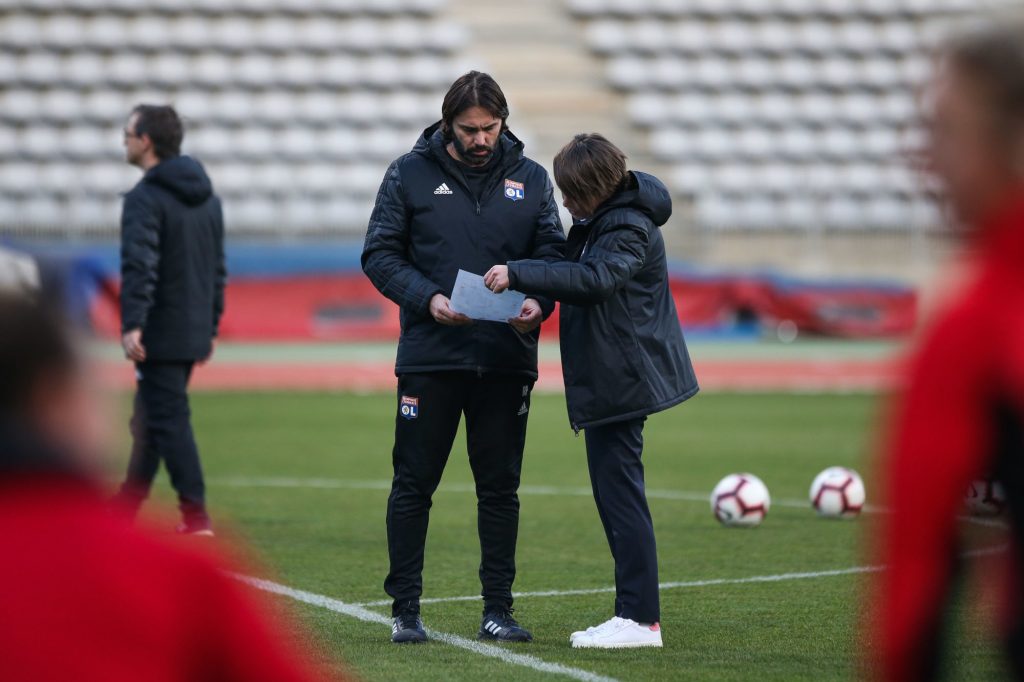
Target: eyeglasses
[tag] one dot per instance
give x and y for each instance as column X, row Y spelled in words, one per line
column 129, row 133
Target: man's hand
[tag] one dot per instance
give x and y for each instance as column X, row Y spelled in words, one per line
column 131, row 342
column 530, row 316
column 441, row 310
column 496, row 278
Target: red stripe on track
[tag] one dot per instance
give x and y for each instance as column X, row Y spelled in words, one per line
column 715, row 375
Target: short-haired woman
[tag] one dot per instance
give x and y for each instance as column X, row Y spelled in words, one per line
column 623, row 357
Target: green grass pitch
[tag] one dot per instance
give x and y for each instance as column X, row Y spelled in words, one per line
column 331, row 539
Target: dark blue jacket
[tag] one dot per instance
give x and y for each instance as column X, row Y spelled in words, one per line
column 623, row 353
column 427, row 225
column 172, row 261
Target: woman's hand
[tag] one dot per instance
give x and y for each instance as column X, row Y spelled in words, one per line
column 496, row 278
column 530, row 317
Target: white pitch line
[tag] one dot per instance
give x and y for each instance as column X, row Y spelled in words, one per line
column 359, row 612
column 548, row 490
column 778, row 577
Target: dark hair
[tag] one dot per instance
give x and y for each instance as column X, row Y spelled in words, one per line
column 35, row 344
column 473, row 89
column 590, row 167
column 993, row 56
column 163, row 126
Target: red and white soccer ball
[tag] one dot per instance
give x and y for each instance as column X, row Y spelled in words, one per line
column 838, row 493
column 985, row 498
column 740, row 500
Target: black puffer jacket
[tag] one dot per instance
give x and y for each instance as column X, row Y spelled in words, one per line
column 172, row 261
column 623, row 353
column 427, row 225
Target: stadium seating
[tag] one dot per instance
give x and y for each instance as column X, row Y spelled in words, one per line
column 778, row 113
column 763, row 113
column 294, row 106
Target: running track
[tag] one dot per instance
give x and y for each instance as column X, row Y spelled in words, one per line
column 235, row 371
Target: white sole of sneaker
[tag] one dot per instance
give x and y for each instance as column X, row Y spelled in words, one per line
column 579, row 644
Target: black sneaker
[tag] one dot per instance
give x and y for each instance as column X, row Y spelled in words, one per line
column 499, row 625
column 408, row 627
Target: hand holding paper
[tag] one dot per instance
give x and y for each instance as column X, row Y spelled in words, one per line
column 440, row 309
column 529, row 318
column 471, row 298
column 496, row 278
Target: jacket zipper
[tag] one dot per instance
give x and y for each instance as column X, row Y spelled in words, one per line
column 576, row 429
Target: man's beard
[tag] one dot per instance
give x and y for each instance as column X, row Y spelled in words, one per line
column 468, row 155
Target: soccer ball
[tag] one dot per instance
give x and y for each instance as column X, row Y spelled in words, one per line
column 740, row 500
column 837, row 493
column 985, row 498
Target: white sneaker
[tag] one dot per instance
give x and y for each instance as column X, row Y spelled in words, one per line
column 593, row 629
column 618, row 633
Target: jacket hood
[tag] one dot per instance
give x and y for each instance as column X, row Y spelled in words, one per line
column 645, row 193
column 182, row 176
column 432, row 144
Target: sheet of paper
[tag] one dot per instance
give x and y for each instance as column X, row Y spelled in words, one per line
column 472, row 298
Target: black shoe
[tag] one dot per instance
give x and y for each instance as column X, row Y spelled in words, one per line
column 499, row 625
column 408, row 627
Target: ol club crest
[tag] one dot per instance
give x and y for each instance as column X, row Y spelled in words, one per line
column 515, row 191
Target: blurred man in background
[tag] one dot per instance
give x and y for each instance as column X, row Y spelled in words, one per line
column 962, row 415
column 172, row 297
column 84, row 595
column 464, row 198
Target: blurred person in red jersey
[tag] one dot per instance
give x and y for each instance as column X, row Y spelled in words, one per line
column 85, row 596
column 961, row 416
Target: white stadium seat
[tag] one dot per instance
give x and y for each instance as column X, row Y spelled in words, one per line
column 714, row 210
column 692, row 37
column 843, row 212
column 301, row 212
column 62, row 31
column 196, row 104
column 41, row 210
column 211, row 142
column 340, row 142
column 40, row 142
column 105, row 105
column 800, row 212
column 19, row 177
column 168, row 69
column 193, row 32
column 238, row 105
column 342, row 212
column 691, row 178
column 21, row 30
column 297, row 142
column 124, row 69
column 798, row 143
column 40, row 68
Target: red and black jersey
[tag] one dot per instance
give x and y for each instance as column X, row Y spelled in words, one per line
column 960, row 419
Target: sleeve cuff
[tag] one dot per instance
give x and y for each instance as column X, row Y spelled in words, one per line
column 513, row 278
